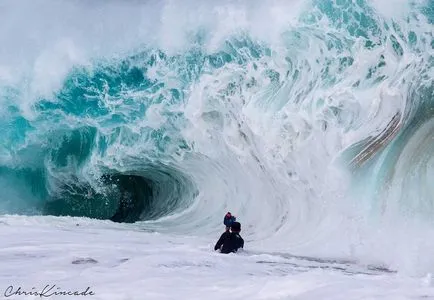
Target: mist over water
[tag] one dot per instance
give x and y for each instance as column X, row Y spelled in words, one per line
column 311, row 121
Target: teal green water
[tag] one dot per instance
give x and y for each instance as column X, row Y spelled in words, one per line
column 93, row 125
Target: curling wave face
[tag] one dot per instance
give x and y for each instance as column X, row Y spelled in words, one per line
column 308, row 120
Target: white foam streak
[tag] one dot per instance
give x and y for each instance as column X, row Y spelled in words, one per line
column 74, row 253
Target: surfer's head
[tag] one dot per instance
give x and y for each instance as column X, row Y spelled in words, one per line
column 236, row 227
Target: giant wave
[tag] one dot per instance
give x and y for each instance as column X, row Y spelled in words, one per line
column 309, row 120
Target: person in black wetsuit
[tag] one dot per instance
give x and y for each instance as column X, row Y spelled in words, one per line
column 230, row 241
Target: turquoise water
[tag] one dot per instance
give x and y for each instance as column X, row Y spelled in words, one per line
column 143, row 115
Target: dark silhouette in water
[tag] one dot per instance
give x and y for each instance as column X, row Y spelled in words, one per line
column 230, row 241
column 130, row 196
column 135, row 197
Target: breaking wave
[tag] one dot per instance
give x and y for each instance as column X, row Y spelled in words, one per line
column 311, row 121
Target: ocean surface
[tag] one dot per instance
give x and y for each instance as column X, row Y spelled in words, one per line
column 129, row 128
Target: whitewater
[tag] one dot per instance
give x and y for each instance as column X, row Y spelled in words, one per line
column 129, row 128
